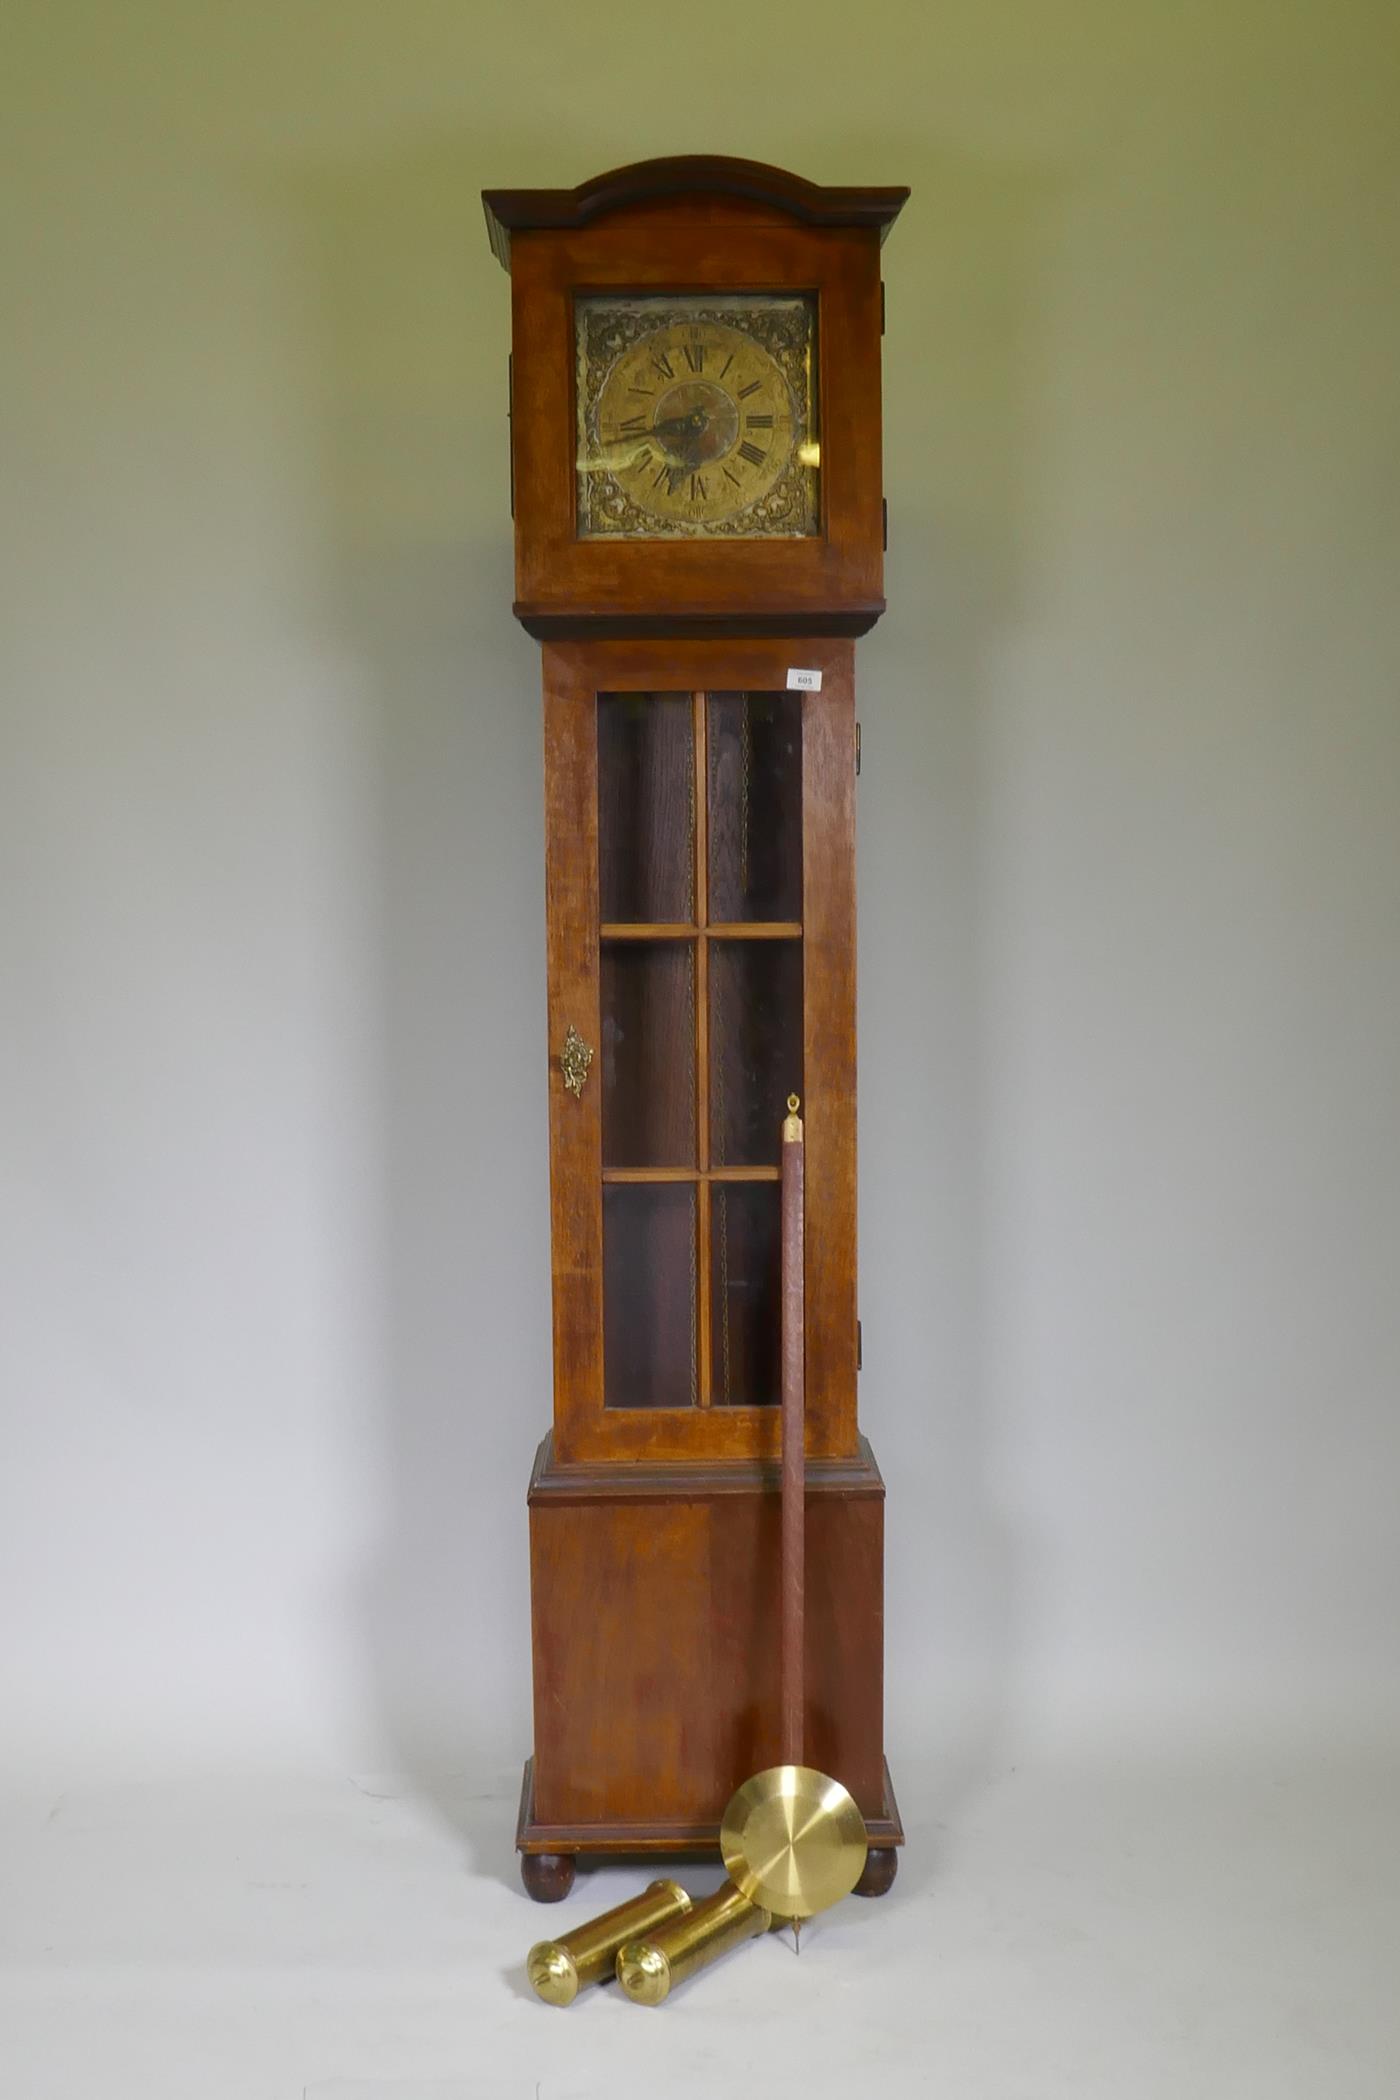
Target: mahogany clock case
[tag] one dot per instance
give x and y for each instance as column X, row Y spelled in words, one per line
column 695, row 226
column 679, row 744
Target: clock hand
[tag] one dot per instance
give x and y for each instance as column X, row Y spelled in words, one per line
column 674, row 434
column 615, row 455
column 689, row 425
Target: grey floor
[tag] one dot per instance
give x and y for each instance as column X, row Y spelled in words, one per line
column 1108, row 1932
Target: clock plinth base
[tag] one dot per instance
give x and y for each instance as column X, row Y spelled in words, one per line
column 547, row 1848
column 656, row 1652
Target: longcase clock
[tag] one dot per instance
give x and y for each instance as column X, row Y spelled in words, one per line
column 695, row 419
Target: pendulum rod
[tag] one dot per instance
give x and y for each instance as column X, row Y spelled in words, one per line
column 794, row 1474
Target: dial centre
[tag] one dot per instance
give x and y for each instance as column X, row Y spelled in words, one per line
column 696, row 423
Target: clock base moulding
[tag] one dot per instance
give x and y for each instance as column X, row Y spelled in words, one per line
column 550, row 1853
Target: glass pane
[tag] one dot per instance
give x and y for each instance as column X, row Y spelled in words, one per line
column 744, row 1293
column 647, row 994
column 755, row 807
column 649, row 1300
column 646, row 808
column 755, row 1047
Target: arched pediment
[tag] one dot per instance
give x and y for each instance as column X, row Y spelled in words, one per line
column 689, row 175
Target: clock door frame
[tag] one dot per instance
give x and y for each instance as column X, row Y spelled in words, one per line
column 831, row 582
column 585, row 1429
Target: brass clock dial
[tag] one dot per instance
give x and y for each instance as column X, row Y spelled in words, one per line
column 696, row 417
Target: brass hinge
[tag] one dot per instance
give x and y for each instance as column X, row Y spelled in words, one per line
column 860, row 1352
column 510, row 425
column 857, row 751
column 882, row 306
column 885, row 524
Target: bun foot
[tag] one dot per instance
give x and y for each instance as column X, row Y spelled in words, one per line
column 881, row 1866
column 548, row 1876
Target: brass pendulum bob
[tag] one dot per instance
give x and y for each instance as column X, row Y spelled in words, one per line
column 792, row 1839
column 560, row 1969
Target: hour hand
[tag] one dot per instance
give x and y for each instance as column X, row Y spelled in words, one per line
column 673, row 435
column 664, row 429
column 688, row 425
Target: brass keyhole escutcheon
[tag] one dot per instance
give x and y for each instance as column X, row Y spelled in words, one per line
column 574, row 1060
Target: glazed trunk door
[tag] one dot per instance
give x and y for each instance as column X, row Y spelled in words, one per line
column 700, row 848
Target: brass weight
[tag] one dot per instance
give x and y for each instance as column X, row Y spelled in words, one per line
column 560, row 1969
column 647, row 1967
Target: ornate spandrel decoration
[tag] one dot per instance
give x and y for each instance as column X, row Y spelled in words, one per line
column 785, row 328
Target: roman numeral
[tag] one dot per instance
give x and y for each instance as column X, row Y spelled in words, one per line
column 642, row 461
column 649, row 391
column 630, row 424
column 698, row 490
column 727, row 363
column 752, row 454
column 663, row 364
column 663, row 473
column 694, row 356
column 753, row 422
column 734, row 478
column 754, row 386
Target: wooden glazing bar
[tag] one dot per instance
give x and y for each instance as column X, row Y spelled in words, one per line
column 735, row 930
column 702, row 1049
column 646, row 930
column 642, row 1175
